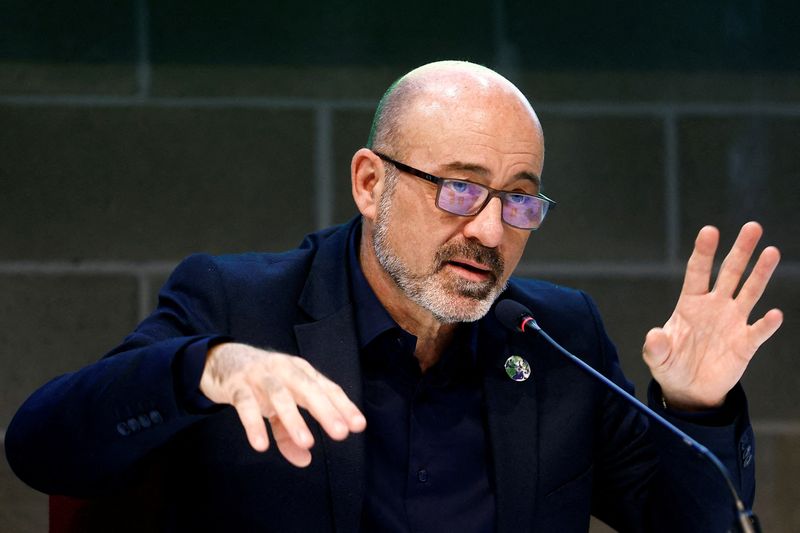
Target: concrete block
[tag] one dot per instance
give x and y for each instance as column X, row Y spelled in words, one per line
column 282, row 81
column 57, row 324
column 22, row 509
column 152, row 183
column 773, row 376
column 656, row 86
column 737, row 169
column 154, row 283
column 351, row 129
column 67, row 79
column 777, row 471
column 75, row 48
column 607, row 174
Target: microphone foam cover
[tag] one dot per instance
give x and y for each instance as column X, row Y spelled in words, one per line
column 510, row 313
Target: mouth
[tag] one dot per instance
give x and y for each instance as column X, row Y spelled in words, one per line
column 471, row 270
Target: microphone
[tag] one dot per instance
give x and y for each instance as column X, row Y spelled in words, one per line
column 517, row 317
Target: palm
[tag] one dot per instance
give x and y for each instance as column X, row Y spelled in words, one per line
column 705, row 346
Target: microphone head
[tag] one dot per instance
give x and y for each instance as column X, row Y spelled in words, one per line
column 511, row 314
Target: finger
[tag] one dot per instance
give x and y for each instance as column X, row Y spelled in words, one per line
column 755, row 284
column 249, row 411
column 698, row 269
column 356, row 422
column 310, row 395
column 296, row 455
column 281, row 401
column 730, row 273
column 656, row 348
column 348, row 413
column 766, row 326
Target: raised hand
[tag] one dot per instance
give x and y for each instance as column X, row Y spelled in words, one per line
column 704, row 348
column 269, row 385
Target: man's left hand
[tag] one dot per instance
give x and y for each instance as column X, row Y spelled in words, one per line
column 704, row 348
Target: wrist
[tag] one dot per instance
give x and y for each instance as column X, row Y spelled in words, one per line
column 676, row 403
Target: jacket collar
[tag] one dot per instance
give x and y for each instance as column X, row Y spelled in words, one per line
column 327, row 289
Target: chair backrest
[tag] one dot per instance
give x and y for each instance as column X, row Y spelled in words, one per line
column 140, row 507
column 70, row 515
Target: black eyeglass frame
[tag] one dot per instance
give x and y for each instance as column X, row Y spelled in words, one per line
column 551, row 204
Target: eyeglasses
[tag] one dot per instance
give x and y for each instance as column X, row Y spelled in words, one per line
column 466, row 198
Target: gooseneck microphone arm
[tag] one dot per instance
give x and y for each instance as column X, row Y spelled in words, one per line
column 517, row 317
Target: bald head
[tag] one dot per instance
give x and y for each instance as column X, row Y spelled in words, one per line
column 441, row 86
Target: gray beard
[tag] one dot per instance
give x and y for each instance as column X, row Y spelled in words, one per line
column 449, row 301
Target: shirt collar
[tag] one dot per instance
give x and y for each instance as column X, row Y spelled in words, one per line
column 372, row 319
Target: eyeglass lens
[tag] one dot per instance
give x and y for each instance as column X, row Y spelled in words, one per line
column 466, row 198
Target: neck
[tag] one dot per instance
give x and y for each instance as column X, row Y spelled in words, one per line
column 432, row 336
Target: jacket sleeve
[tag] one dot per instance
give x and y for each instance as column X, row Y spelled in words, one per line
column 85, row 432
column 647, row 479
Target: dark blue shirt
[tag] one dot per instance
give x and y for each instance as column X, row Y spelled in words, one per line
column 428, row 461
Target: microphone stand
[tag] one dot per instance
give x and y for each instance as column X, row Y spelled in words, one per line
column 746, row 520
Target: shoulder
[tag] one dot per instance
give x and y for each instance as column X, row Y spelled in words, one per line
column 548, row 296
column 238, row 284
column 259, row 266
column 556, row 307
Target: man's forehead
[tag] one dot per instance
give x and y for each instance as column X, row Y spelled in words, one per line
column 484, row 172
column 465, row 99
column 463, row 135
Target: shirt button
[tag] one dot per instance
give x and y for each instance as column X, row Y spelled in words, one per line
column 422, row 476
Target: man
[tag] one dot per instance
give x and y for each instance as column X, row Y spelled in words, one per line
column 389, row 318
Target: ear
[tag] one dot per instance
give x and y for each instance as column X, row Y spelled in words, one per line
column 366, row 176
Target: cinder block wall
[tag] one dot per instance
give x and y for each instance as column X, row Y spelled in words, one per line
column 132, row 148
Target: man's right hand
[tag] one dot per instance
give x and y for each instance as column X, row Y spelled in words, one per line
column 270, row 385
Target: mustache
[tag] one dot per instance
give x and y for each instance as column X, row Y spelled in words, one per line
column 473, row 251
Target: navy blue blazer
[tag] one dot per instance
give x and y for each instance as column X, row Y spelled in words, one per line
column 562, row 446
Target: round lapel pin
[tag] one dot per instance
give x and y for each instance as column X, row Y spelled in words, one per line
column 517, row 368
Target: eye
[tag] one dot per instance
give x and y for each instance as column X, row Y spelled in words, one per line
column 459, row 187
column 518, row 199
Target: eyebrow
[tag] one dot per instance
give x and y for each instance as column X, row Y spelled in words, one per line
column 484, row 172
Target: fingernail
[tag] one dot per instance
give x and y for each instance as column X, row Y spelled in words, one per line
column 339, row 427
column 359, row 420
column 303, row 437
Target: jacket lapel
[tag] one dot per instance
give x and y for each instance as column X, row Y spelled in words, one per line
column 513, row 428
column 330, row 344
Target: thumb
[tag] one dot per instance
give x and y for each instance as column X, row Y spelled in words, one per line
column 656, row 349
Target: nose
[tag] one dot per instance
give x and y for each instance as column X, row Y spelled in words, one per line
column 487, row 226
